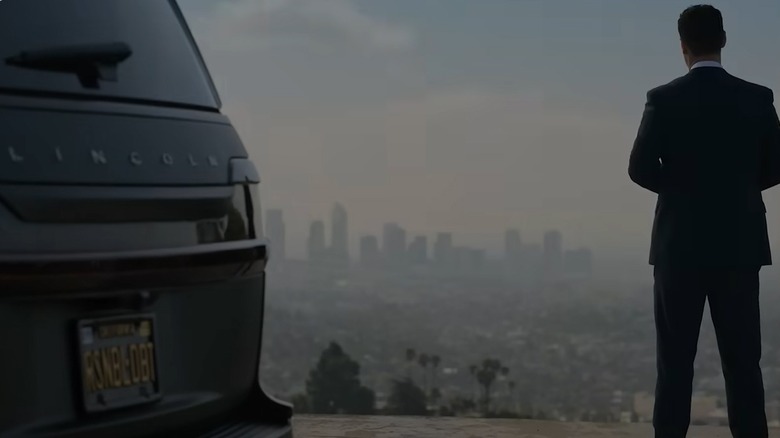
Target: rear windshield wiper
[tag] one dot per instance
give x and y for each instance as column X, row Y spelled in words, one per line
column 91, row 62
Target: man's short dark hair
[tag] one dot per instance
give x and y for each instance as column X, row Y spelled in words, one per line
column 701, row 29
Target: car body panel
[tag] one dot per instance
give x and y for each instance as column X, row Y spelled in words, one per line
column 132, row 197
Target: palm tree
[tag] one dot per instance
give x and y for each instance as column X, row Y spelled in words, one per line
column 435, row 361
column 435, row 396
column 504, row 372
column 410, row 356
column 423, row 360
column 473, row 370
column 486, row 376
column 512, row 395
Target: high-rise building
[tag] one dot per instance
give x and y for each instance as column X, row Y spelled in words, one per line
column 275, row 230
column 513, row 246
column 553, row 252
column 442, row 250
column 369, row 251
column 394, row 243
column 315, row 244
column 418, row 250
column 339, row 234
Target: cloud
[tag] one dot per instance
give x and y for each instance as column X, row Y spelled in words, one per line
column 334, row 23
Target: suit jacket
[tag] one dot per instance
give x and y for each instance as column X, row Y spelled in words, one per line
column 708, row 145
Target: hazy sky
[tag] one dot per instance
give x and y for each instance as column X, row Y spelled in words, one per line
column 460, row 115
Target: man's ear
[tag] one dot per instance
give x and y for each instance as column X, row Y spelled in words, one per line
column 683, row 47
column 725, row 39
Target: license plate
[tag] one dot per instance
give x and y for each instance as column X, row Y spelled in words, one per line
column 118, row 362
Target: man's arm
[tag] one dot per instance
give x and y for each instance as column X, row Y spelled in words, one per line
column 770, row 160
column 644, row 166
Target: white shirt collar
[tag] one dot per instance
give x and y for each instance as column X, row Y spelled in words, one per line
column 707, row 64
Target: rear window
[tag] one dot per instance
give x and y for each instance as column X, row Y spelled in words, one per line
column 164, row 66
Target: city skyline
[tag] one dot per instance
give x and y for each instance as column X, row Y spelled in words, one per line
column 396, row 245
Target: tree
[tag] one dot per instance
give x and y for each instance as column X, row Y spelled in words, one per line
column 512, row 386
column 504, row 372
column 473, row 371
column 333, row 386
column 435, row 361
column 301, row 404
column 435, row 396
column 411, row 354
column 423, row 361
column 459, row 406
column 364, row 402
column 486, row 375
column 406, row 398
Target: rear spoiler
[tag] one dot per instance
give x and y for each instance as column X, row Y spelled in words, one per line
column 76, row 275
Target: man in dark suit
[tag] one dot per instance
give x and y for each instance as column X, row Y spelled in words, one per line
column 708, row 145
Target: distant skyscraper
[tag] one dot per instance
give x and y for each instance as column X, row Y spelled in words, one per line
column 339, row 234
column 276, row 232
column 553, row 252
column 442, row 249
column 316, row 242
column 513, row 246
column 394, row 243
column 418, row 250
column 369, row 251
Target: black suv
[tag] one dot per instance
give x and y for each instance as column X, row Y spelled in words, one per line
column 132, row 258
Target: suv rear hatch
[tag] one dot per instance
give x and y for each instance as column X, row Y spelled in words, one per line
column 131, row 252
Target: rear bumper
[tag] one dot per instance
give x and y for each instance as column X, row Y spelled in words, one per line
column 261, row 417
column 242, row 429
column 209, row 312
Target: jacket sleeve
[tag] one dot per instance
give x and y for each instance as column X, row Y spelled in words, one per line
column 644, row 167
column 770, row 160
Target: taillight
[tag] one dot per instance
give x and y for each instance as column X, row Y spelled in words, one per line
column 246, row 198
column 257, row 212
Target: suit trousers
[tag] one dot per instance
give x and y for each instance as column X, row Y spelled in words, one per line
column 733, row 295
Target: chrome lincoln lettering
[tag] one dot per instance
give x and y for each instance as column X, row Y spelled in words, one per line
column 135, row 159
column 98, row 157
column 15, row 157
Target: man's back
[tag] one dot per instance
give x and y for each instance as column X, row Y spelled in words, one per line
column 712, row 133
column 708, row 145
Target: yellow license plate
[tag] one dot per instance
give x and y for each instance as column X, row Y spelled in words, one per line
column 118, row 362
